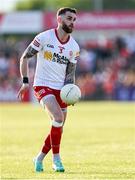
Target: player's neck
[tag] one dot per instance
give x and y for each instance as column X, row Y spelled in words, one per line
column 62, row 35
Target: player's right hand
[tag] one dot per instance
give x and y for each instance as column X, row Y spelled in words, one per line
column 24, row 88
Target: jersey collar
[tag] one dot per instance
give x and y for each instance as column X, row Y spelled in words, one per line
column 56, row 33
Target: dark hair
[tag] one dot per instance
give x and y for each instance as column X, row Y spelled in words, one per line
column 63, row 10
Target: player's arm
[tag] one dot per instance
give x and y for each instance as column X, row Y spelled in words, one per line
column 70, row 73
column 28, row 53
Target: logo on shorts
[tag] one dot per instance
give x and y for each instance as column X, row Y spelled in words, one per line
column 40, row 92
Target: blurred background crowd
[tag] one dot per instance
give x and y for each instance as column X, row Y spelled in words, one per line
column 105, row 71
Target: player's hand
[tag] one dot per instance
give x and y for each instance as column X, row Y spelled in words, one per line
column 24, row 88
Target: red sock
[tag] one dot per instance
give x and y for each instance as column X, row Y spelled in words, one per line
column 55, row 139
column 47, row 145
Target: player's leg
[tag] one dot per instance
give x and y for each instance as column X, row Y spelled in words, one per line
column 54, row 138
column 47, row 147
column 47, row 143
column 45, row 99
column 57, row 163
column 56, row 113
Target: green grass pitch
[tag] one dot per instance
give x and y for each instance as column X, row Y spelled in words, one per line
column 98, row 141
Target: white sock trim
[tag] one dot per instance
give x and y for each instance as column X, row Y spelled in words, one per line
column 40, row 156
column 57, row 124
column 56, row 157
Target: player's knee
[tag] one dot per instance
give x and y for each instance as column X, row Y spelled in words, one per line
column 58, row 117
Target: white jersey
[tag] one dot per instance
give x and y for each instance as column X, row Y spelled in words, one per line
column 52, row 58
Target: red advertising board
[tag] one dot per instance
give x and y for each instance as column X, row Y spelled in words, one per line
column 34, row 22
column 100, row 20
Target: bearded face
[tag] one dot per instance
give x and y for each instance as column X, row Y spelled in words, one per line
column 66, row 28
column 67, row 22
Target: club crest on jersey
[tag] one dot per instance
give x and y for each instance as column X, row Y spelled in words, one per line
column 70, row 53
column 61, row 49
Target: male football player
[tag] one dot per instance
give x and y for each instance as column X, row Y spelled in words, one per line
column 57, row 54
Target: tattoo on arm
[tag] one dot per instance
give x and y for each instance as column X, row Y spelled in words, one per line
column 29, row 52
column 70, row 73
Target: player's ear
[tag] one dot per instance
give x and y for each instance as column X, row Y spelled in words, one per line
column 59, row 19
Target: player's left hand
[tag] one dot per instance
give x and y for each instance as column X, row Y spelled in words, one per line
column 24, row 88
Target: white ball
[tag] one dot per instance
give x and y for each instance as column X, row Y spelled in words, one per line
column 70, row 94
